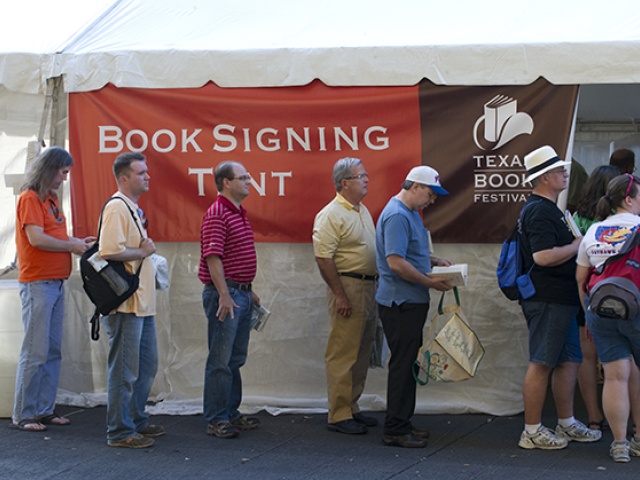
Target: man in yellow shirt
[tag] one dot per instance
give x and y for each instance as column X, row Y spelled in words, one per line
column 344, row 247
column 133, row 351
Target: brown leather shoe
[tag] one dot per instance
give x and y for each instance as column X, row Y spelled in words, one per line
column 134, row 441
column 420, row 433
column 244, row 422
column 152, row 431
column 407, row 441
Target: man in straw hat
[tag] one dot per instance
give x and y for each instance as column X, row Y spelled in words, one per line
column 549, row 249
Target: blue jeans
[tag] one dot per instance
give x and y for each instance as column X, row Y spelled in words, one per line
column 41, row 353
column 132, row 362
column 228, row 346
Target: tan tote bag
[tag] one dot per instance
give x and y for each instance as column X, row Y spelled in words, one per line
column 451, row 351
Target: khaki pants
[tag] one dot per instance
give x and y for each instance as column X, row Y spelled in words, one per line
column 349, row 347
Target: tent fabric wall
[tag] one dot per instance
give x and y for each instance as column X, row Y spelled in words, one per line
column 285, row 368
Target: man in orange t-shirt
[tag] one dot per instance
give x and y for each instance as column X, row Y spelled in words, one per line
column 44, row 258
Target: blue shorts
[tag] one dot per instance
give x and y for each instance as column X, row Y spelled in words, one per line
column 615, row 339
column 553, row 333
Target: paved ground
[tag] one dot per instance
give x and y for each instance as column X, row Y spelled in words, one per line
column 300, row 447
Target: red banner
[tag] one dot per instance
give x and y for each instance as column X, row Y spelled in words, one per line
column 290, row 138
column 287, row 138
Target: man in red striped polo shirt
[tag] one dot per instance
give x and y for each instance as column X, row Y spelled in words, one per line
column 227, row 267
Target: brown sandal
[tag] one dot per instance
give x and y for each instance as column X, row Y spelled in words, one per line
column 55, row 419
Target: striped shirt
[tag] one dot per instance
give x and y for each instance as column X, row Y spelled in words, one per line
column 226, row 232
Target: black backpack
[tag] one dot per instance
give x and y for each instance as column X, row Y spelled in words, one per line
column 106, row 282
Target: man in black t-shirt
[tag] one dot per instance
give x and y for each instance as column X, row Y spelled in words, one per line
column 549, row 250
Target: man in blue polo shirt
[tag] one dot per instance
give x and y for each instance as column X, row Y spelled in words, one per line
column 404, row 260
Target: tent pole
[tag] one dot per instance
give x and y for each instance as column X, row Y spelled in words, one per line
column 58, row 131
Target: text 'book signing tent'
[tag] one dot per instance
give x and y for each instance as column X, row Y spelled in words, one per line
column 345, row 78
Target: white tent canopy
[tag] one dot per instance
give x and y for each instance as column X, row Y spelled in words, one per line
column 253, row 43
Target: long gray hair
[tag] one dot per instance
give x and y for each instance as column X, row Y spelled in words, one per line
column 42, row 173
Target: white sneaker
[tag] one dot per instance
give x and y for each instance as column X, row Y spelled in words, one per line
column 544, row 439
column 619, row 451
column 634, row 447
column 578, row 432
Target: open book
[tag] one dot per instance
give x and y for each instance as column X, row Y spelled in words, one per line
column 571, row 223
column 458, row 274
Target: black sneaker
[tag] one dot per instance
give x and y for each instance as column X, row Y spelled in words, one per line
column 349, row 426
column 365, row 420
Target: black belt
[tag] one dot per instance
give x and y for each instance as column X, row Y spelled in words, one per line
column 359, row 276
column 239, row 286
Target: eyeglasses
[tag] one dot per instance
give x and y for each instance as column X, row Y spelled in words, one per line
column 632, row 178
column 357, row 177
column 143, row 218
column 55, row 210
column 432, row 195
column 242, row 178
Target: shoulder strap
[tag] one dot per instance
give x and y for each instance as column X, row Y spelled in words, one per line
column 128, row 208
column 519, row 233
column 441, row 302
column 134, row 221
column 630, row 243
column 521, row 216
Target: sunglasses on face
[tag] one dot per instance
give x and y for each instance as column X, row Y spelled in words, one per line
column 55, row 210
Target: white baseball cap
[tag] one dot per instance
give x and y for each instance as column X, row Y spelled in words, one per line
column 427, row 176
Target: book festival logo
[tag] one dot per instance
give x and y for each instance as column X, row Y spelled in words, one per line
column 502, row 122
column 494, row 177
